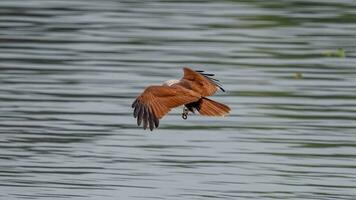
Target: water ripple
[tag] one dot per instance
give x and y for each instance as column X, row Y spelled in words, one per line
column 70, row 69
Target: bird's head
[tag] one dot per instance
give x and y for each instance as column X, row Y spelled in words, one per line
column 170, row 82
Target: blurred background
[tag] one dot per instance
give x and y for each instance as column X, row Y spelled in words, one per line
column 70, row 69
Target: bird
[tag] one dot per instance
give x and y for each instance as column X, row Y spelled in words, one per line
column 191, row 92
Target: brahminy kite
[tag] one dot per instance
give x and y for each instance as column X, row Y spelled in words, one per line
column 191, row 91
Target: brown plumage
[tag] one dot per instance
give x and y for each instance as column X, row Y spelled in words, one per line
column 191, row 91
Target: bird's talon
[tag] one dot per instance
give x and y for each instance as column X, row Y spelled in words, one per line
column 184, row 116
column 185, row 113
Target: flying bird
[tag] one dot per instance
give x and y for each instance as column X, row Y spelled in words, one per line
column 191, row 91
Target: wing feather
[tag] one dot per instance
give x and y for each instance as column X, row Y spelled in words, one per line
column 199, row 82
column 156, row 101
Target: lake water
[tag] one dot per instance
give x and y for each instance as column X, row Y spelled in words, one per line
column 70, row 70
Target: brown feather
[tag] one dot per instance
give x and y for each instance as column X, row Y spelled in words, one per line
column 156, row 101
column 197, row 82
column 209, row 107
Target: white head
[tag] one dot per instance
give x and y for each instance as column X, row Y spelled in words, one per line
column 170, row 82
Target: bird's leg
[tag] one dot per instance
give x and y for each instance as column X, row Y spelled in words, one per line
column 185, row 113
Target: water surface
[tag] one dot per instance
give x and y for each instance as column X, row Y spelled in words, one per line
column 70, row 70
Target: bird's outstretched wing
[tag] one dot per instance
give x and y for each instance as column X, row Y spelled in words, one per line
column 200, row 82
column 156, row 101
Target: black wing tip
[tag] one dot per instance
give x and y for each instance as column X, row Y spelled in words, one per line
column 215, row 81
column 144, row 114
column 134, row 104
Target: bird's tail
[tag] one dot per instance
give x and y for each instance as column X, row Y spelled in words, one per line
column 209, row 107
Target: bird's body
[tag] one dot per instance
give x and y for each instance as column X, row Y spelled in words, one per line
column 190, row 91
